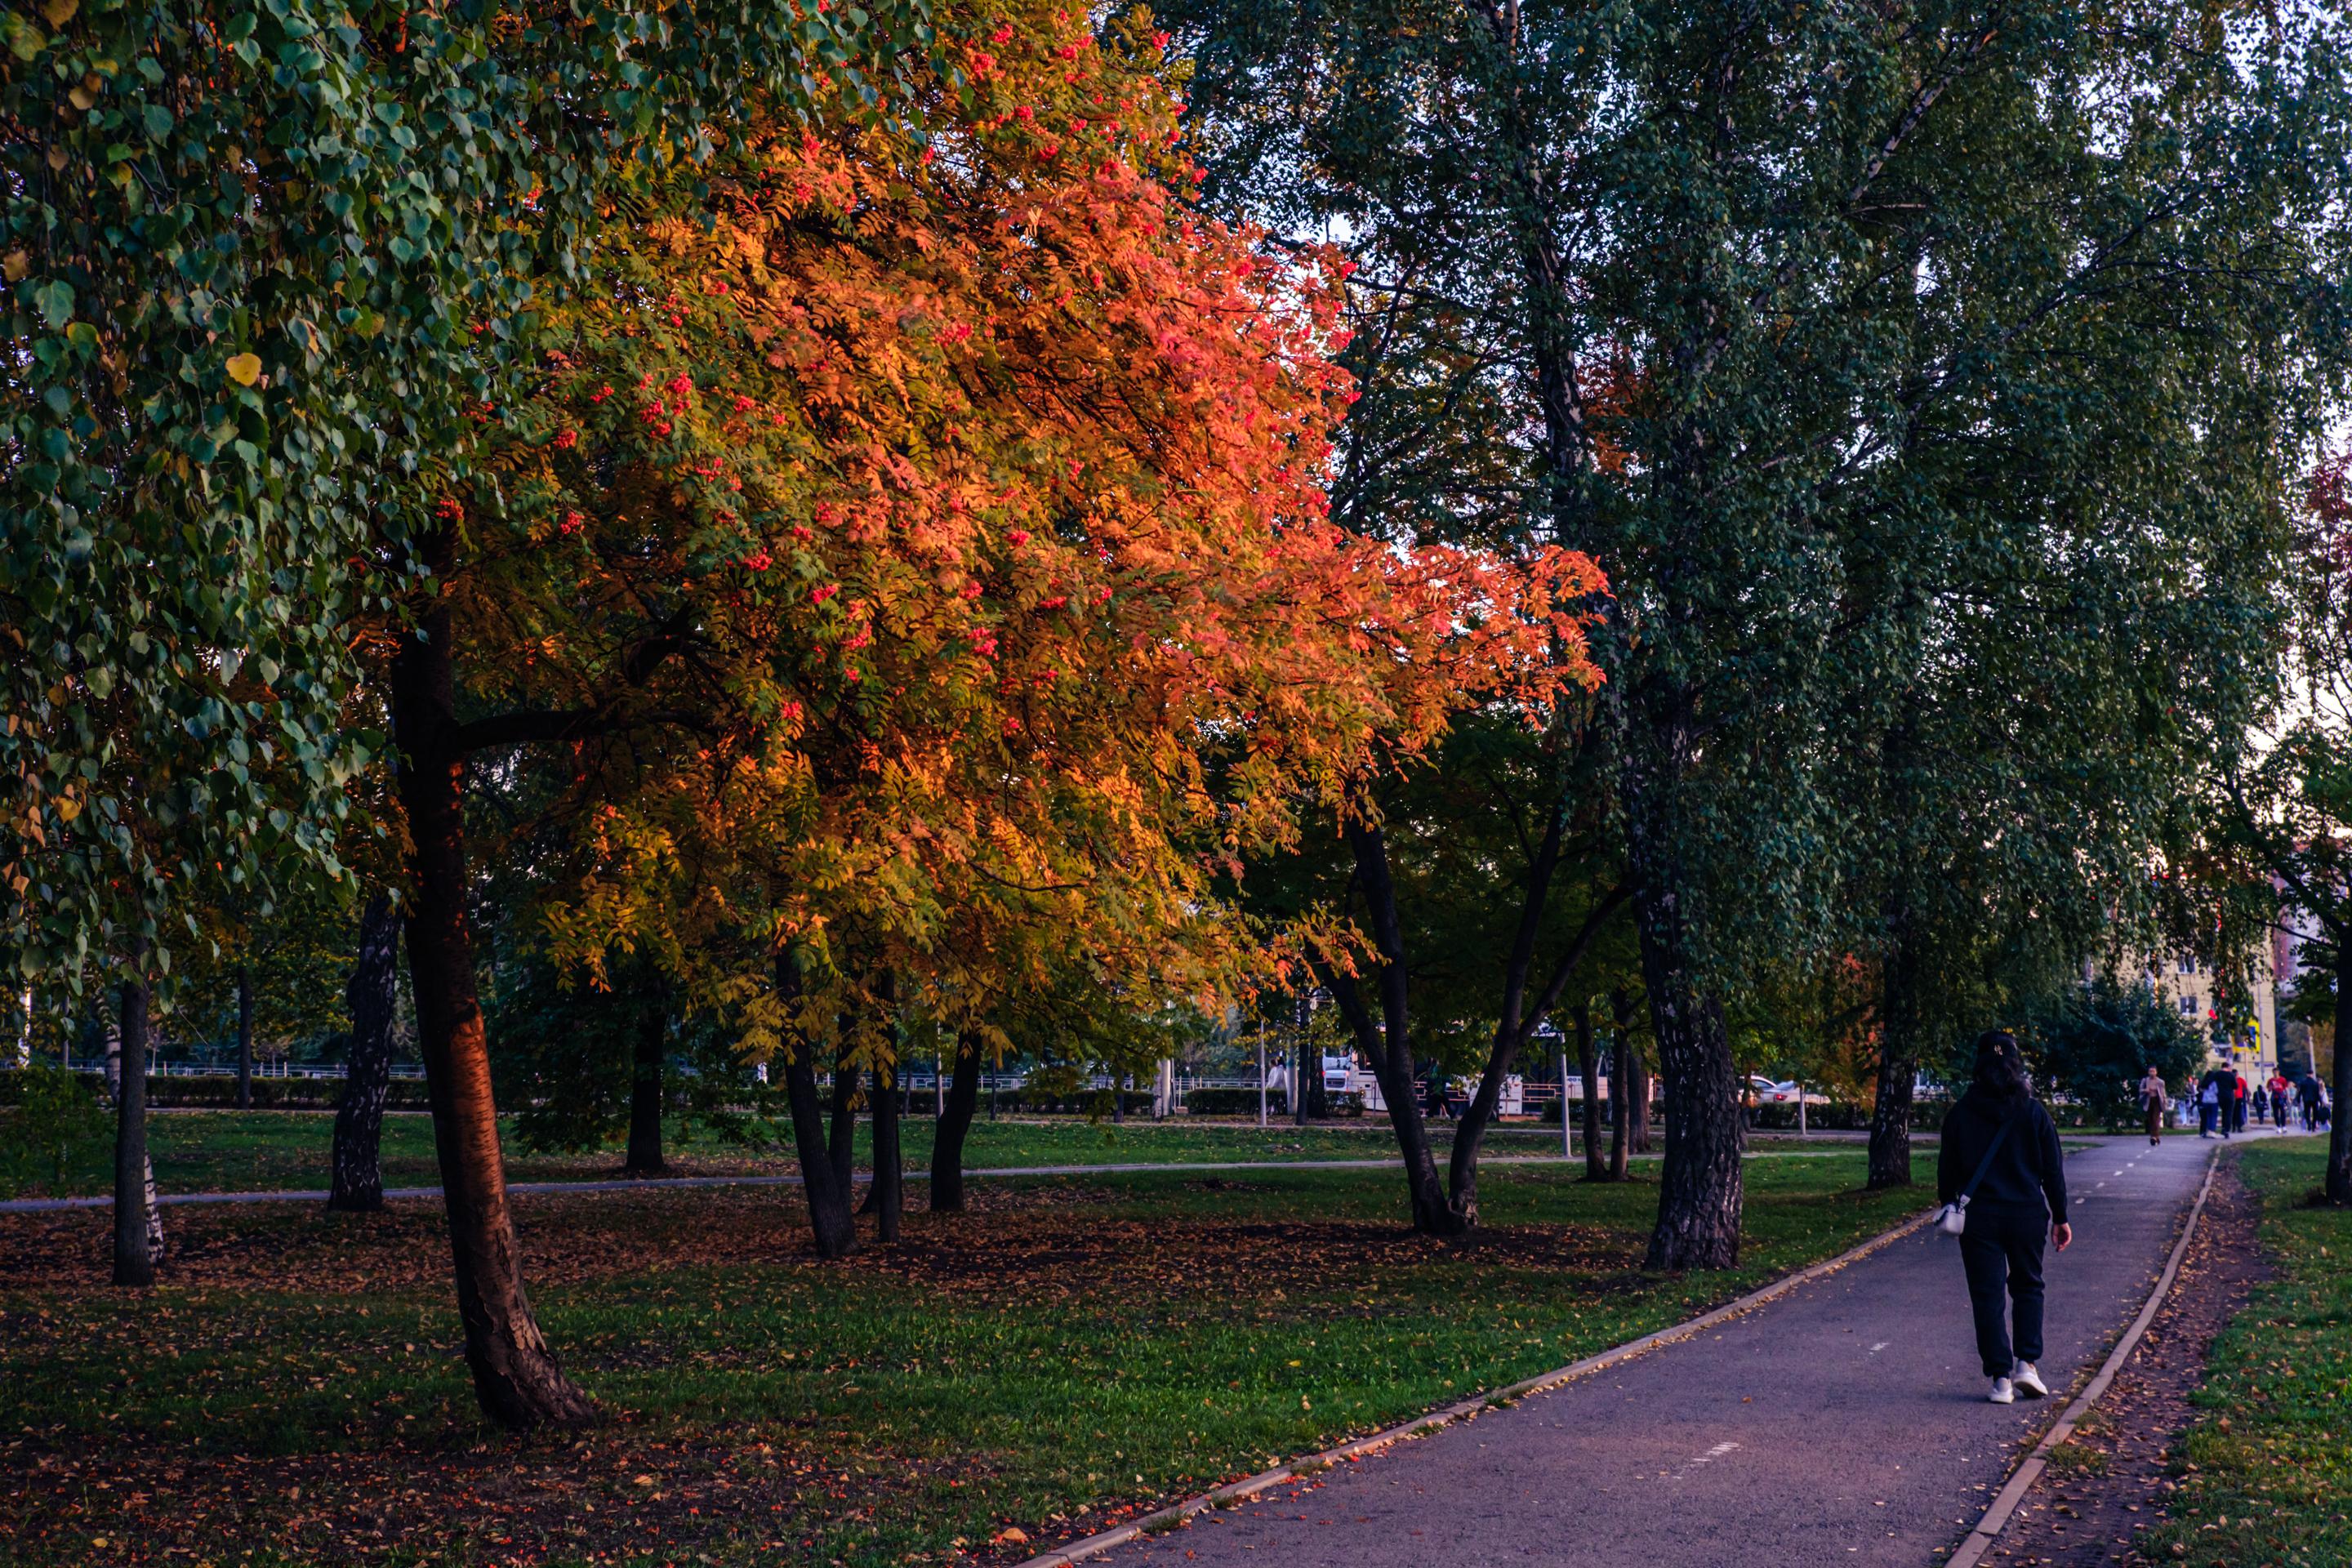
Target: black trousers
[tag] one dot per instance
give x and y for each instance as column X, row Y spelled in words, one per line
column 2001, row 1250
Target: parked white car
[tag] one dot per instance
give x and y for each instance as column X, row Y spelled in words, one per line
column 1767, row 1092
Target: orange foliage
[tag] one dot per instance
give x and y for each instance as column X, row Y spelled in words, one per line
column 966, row 495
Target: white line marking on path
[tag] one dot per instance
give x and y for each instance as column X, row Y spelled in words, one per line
column 1718, row 1451
column 1880, row 1346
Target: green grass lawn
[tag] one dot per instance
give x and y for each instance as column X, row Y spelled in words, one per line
column 264, row 1151
column 2267, row 1477
column 1073, row 1350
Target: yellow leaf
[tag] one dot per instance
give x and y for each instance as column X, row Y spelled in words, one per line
column 80, row 97
column 60, row 11
column 245, row 369
column 15, row 264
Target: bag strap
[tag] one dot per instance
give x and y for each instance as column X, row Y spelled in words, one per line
column 1985, row 1164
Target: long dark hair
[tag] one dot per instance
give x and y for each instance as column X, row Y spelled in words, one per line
column 2001, row 1069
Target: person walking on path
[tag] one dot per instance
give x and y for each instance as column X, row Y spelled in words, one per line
column 2000, row 1152
column 2151, row 1104
column 2209, row 1106
column 2277, row 1087
column 2237, row 1088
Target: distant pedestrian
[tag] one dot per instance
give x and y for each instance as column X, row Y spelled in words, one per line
column 2151, row 1104
column 2237, row 1097
column 2326, row 1111
column 2209, row 1106
column 2277, row 1087
column 2001, row 1162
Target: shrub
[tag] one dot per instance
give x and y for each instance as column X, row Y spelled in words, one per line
column 1231, row 1103
column 59, row 1120
column 274, row 1093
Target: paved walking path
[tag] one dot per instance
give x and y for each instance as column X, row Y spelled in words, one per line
column 640, row 1183
column 1846, row 1422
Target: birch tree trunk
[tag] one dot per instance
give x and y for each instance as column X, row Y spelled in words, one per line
column 370, row 997
column 138, row 1238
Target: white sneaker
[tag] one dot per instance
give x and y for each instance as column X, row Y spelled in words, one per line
column 2003, row 1392
column 2028, row 1381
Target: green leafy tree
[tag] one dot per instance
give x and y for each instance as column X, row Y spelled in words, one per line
column 266, row 265
column 2279, row 839
column 2014, row 780
column 1488, row 890
column 2093, row 1042
column 1767, row 270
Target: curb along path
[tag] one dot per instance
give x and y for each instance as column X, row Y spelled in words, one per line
column 1842, row 1420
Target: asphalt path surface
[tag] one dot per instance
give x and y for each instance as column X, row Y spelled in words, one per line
column 1845, row 1422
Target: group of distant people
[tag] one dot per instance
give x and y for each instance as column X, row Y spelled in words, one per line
column 2225, row 1101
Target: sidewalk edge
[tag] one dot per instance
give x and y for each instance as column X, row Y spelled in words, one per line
column 1234, row 1492
column 1980, row 1540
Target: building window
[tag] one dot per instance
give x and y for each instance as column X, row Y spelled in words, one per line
column 2189, row 1006
column 2189, row 965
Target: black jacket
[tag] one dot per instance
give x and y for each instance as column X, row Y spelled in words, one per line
column 2029, row 1169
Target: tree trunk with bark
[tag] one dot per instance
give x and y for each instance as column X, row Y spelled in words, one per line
column 955, row 1123
column 648, row 1053
column 245, row 1036
column 516, row 1375
column 832, row 1225
column 1588, row 1067
column 841, row 1141
column 1523, row 1008
column 109, row 1053
column 1621, row 1108
column 1385, row 1041
column 134, row 1180
column 1319, row 1095
column 1700, row 1189
column 1637, row 1075
column 2339, row 1129
column 890, row 1172
column 1898, row 1067
column 372, row 997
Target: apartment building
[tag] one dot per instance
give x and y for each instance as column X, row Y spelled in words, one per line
column 2246, row 1040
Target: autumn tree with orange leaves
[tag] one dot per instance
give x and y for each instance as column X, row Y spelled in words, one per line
column 918, row 552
